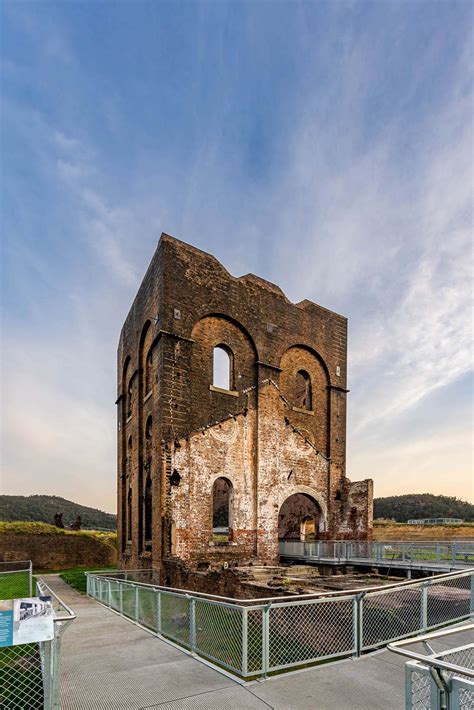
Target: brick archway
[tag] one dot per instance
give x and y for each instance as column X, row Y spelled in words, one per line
column 299, row 517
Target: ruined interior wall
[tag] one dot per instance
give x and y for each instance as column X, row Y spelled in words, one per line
column 354, row 512
column 287, row 464
column 222, row 450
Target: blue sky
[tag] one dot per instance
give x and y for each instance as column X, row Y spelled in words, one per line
column 325, row 146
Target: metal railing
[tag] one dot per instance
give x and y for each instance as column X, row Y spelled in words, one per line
column 448, row 552
column 16, row 579
column 442, row 680
column 29, row 673
column 255, row 637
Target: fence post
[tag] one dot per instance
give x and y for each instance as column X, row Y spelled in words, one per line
column 47, row 668
column 453, row 552
column 30, row 578
column 245, row 628
column 121, row 597
column 55, row 671
column 412, row 552
column 158, row 612
column 136, row 604
column 109, row 595
column 472, row 595
column 359, row 622
column 424, row 606
column 192, row 624
column 266, row 639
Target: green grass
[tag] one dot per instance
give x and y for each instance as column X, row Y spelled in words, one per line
column 16, row 586
column 76, row 577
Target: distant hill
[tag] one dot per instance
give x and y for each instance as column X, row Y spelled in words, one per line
column 422, row 505
column 43, row 509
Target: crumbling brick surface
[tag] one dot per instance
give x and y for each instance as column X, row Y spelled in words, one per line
column 181, row 433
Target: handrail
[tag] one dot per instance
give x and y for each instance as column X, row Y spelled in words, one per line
column 70, row 616
column 432, row 660
column 293, row 597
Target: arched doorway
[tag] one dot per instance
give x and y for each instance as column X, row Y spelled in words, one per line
column 299, row 518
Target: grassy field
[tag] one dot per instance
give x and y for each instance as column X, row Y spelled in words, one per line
column 28, row 528
column 15, row 585
column 403, row 531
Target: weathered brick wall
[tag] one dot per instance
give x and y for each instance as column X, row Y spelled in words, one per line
column 255, row 435
column 57, row 551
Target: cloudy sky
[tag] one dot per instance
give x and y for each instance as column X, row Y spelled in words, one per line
column 325, row 146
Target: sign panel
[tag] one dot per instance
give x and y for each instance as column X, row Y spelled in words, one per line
column 27, row 620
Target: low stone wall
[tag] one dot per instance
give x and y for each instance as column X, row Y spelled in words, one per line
column 56, row 550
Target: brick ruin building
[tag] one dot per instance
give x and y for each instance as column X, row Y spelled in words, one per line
column 231, row 418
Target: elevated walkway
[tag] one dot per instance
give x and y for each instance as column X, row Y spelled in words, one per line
column 418, row 556
column 109, row 662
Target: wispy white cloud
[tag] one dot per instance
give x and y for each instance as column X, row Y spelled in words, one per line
column 369, row 216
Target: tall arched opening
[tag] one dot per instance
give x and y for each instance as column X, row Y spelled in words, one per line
column 299, row 518
column 222, row 500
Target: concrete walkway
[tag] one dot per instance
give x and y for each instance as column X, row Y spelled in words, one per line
column 108, row 662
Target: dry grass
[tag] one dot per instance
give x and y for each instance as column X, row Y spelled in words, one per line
column 403, row 531
column 30, row 528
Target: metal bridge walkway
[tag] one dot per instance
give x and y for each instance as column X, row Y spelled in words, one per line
column 108, row 662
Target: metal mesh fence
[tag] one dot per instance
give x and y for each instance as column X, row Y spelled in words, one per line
column 29, row 673
column 15, row 580
column 219, row 633
column 420, row 684
column 386, row 616
column 175, row 613
column 463, row 698
column 448, row 600
column 257, row 638
column 147, row 605
column 21, row 680
column 254, row 640
column 431, row 686
column 307, row 631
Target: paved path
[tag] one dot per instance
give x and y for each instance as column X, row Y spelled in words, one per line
column 108, row 662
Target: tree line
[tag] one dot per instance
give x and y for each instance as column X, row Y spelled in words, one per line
column 422, row 505
column 44, row 508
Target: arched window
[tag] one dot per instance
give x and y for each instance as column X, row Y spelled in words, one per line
column 302, row 392
column 223, row 367
column 222, row 508
column 129, row 456
column 149, row 429
column 129, row 514
column 148, row 509
column 129, row 399
column 148, row 373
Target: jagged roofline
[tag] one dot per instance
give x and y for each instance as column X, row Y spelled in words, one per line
column 274, row 288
